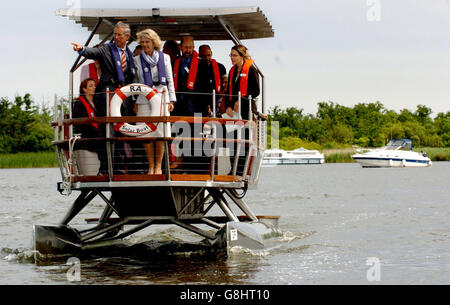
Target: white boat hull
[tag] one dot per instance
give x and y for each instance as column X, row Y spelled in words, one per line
column 293, row 161
column 292, row 157
column 391, row 162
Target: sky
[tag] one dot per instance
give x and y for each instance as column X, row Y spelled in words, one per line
column 396, row 52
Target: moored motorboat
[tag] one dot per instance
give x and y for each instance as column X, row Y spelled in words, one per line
column 397, row 153
column 290, row 157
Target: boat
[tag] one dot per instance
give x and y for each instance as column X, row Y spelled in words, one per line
column 296, row 156
column 206, row 198
column 396, row 153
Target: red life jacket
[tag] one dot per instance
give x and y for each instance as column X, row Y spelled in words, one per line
column 243, row 84
column 217, row 79
column 192, row 71
column 93, row 72
column 89, row 110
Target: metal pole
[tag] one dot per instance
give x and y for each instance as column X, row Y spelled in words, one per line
column 238, row 145
column 236, row 41
column 70, row 103
column 61, row 117
column 55, row 118
column 242, row 205
column 214, row 103
column 221, row 202
column 214, row 136
column 108, row 136
column 250, row 112
column 250, row 137
column 87, row 43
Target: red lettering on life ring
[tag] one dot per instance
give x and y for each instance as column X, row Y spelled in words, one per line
column 121, row 94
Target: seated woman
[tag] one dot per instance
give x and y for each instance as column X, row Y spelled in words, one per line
column 84, row 107
column 153, row 68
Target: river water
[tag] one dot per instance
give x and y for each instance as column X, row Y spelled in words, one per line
column 342, row 224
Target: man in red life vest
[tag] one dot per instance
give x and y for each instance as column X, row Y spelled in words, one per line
column 187, row 75
column 214, row 74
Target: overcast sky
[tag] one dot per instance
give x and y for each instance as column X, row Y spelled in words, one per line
column 349, row 51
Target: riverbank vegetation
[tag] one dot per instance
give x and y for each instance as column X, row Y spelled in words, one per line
column 364, row 125
column 24, row 126
column 29, row 159
column 26, row 135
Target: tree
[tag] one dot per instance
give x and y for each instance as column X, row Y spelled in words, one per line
column 23, row 126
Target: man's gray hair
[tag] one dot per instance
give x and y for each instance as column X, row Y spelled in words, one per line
column 125, row 26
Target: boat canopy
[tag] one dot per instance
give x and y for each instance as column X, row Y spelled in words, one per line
column 403, row 144
column 201, row 23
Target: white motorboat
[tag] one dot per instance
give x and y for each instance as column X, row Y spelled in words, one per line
column 397, row 153
column 296, row 156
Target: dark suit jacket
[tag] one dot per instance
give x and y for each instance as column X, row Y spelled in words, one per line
column 208, row 84
column 108, row 78
column 86, row 130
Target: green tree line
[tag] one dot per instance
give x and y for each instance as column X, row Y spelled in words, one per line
column 24, row 126
column 365, row 124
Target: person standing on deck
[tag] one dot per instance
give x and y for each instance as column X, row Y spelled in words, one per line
column 242, row 78
column 153, row 68
column 187, row 79
column 116, row 63
column 214, row 74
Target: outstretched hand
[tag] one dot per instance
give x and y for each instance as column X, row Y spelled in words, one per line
column 77, row 47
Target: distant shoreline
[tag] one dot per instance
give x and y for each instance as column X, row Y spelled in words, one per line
column 335, row 155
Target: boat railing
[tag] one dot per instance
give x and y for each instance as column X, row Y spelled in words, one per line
column 218, row 151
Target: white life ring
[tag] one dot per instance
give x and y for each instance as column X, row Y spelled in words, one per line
column 121, row 95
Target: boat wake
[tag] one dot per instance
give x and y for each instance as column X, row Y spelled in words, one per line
column 25, row 256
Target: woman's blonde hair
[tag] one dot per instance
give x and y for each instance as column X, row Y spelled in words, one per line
column 242, row 50
column 152, row 35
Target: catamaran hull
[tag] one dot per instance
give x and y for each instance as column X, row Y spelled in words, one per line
column 391, row 162
column 64, row 240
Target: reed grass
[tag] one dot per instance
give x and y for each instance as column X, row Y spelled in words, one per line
column 29, row 159
column 436, row 153
column 335, row 155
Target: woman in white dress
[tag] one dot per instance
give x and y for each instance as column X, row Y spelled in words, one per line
column 154, row 69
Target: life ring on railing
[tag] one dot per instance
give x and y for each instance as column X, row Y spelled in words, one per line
column 121, row 94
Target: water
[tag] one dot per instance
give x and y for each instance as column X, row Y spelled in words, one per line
column 334, row 218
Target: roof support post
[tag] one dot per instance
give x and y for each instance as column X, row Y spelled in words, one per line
column 236, row 41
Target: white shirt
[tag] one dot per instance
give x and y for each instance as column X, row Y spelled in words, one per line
column 155, row 77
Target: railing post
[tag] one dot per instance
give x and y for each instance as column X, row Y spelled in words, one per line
column 61, row 117
column 214, row 103
column 55, row 118
column 250, row 137
column 238, row 145
column 108, row 140
column 70, row 103
column 214, row 137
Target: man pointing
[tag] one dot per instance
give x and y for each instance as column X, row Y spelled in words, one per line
column 116, row 63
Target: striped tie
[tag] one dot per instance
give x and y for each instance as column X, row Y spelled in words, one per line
column 124, row 60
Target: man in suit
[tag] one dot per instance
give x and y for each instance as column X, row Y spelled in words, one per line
column 116, row 63
column 214, row 72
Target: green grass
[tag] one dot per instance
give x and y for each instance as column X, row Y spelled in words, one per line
column 336, row 155
column 436, row 153
column 29, row 159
